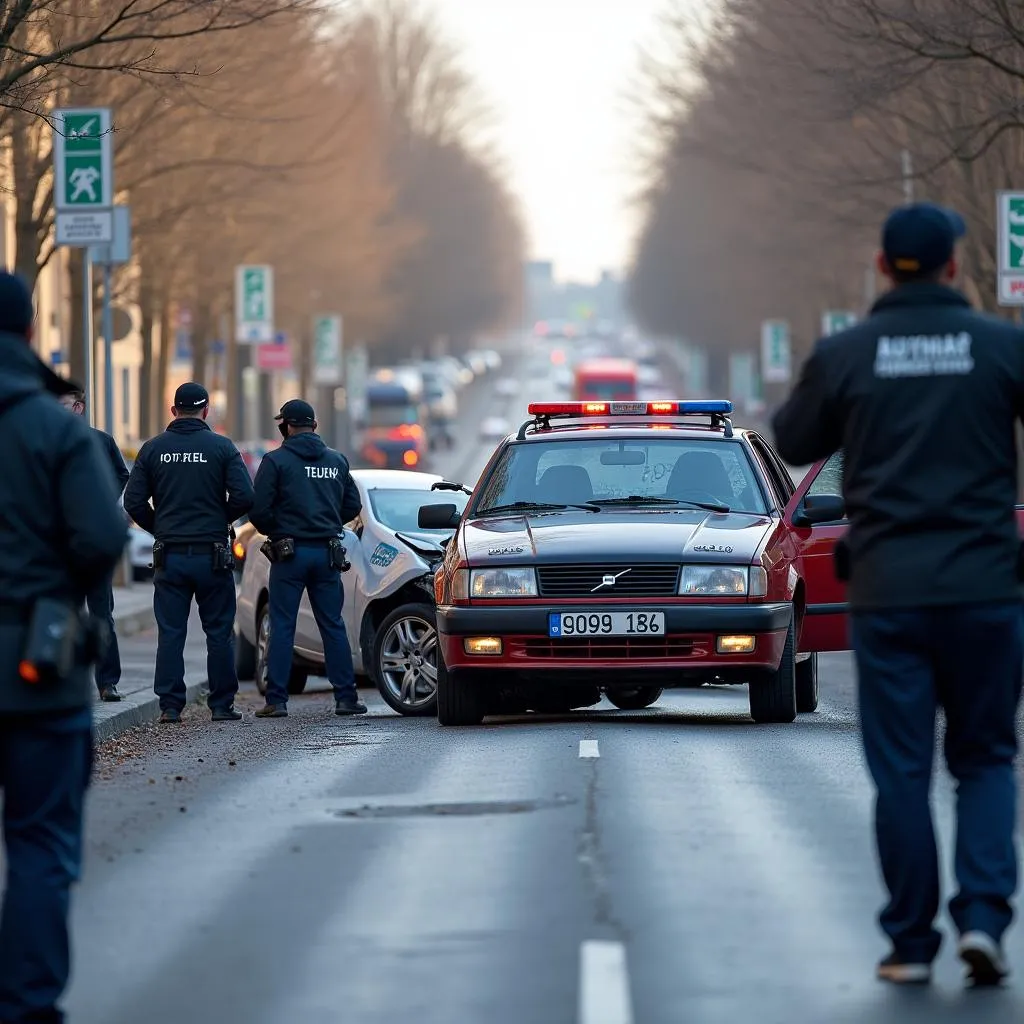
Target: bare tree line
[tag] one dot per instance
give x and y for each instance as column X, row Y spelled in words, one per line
column 775, row 134
column 337, row 143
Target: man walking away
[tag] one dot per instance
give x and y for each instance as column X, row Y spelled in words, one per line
column 923, row 397
column 100, row 600
column 199, row 486
column 304, row 497
column 60, row 535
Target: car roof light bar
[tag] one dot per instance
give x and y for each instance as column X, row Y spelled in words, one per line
column 719, row 411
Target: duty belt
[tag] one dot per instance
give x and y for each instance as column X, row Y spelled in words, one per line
column 202, row 547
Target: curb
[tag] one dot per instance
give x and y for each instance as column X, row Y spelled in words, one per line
column 112, row 720
column 133, row 622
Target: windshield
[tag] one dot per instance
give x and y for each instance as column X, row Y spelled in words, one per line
column 391, row 415
column 606, row 390
column 399, row 510
column 577, row 470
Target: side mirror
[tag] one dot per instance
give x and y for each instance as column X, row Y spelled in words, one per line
column 820, row 508
column 438, row 517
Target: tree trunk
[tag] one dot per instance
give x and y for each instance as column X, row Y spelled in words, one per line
column 76, row 335
column 202, row 324
column 146, row 402
column 24, row 169
column 163, row 366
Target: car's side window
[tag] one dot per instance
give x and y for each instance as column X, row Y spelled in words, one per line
column 780, row 483
column 829, row 479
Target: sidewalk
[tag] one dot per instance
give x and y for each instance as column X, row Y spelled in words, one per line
column 136, row 635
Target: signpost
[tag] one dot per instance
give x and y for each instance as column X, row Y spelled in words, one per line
column 117, row 251
column 1010, row 218
column 254, row 304
column 776, row 356
column 327, row 349
column 834, row 321
column 83, row 179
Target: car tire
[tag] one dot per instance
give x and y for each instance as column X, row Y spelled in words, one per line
column 414, row 647
column 245, row 659
column 773, row 696
column 299, row 675
column 459, row 701
column 807, row 685
column 635, row 699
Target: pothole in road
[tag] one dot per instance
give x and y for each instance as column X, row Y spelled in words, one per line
column 453, row 810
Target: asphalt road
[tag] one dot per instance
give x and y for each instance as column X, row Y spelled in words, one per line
column 668, row 866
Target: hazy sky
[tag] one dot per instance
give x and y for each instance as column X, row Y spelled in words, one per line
column 556, row 73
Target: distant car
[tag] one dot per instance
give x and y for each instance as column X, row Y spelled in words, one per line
column 140, row 553
column 494, row 428
column 477, row 362
column 389, row 597
column 492, row 358
column 507, row 387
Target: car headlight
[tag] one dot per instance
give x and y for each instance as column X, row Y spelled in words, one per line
column 723, row 581
column 503, row 583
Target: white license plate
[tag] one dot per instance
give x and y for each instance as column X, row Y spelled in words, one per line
column 564, row 624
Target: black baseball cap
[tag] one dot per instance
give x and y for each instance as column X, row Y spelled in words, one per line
column 191, row 395
column 16, row 311
column 920, row 238
column 297, row 413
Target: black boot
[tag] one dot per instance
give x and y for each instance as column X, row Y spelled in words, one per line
column 349, row 706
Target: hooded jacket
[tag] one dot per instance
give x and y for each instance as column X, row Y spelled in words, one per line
column 923, row 398
column 304, row 490
column 61, row 531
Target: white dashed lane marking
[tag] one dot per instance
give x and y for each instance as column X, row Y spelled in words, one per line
column 604, row 984
column 588, row 748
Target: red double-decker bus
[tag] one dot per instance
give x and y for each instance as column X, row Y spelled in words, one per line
column 605, row 380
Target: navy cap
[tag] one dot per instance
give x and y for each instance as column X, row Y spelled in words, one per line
column 297, row 413
column 16, row 312
column 191, row 395
column 920, row 238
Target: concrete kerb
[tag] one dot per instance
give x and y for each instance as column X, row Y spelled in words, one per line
column 138, row 620
column 112, row 720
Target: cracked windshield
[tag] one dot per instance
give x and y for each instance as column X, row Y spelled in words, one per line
column 511, row 511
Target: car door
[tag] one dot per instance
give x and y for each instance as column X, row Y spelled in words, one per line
column 826, row 620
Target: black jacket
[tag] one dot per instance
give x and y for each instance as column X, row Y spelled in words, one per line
column 304, row 491
column 61, row 532
column 113, row 454
column 923, row 397
column 197, row 480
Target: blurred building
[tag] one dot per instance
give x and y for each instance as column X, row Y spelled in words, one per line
column 583, row 304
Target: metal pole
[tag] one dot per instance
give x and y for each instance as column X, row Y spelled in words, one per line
column 908, row 176
column 108, row 351
column 87, row 341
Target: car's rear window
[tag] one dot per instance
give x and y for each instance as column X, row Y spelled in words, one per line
column 577, row 469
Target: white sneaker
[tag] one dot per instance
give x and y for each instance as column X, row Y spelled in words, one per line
column 984, row 959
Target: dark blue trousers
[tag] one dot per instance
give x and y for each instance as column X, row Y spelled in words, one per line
column 45, row 762
column 183, row 577
column 100, row 602
column 967, row 660
column 309, row 570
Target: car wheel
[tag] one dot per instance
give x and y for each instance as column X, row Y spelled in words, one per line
column 262, row 648
column 635, row 699
column 299, row 675
column 459, row 701
column 773, row 696
column 405, row 660
column 245, row 659
column 807, row 685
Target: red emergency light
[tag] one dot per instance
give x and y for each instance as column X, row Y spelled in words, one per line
column 664, row 408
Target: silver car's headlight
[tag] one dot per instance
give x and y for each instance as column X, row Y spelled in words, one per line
column 503, row 583
column 723, row 581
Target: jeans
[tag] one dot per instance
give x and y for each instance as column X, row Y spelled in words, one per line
column 100, row 602
column 968, row 660
column 45, row 762
column 308, row 570
column 183, row 577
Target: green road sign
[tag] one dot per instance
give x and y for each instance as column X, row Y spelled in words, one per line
column 835, row 321
column 775, row 352
column 327, row 349
column 83, row 175
column 254, row 304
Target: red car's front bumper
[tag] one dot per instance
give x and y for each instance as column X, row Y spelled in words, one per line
column 685, row 652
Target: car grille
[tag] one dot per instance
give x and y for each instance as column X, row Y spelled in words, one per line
column 581, row 580
column 582, row 648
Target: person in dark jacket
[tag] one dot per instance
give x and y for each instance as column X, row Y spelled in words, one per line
column 199, row 486
column 304, row 493
column 100, row 600
column 923, row 398
column 60, row 535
